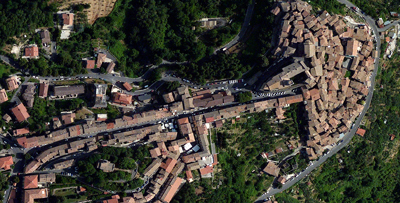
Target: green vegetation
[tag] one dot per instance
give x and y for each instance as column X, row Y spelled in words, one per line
column 111, row 111
column 243, row 97
column 3, row 183
column 332, row 6
column 220, row 66
column 21, row 16
column 376, row 8
column 123, row 158
column 239, row 146
column 6, row 70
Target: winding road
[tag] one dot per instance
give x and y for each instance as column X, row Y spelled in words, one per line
column 347, row 138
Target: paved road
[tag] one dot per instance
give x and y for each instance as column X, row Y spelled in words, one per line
column 246, row 23
column 388, row 26
column 347, row 138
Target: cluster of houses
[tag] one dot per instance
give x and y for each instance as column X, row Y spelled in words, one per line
column 336, row 61
column 101, row 60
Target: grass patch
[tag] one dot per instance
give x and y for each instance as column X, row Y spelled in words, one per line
column 33, row 80
column 118, row 49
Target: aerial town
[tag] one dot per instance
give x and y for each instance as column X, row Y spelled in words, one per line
column 329, row 62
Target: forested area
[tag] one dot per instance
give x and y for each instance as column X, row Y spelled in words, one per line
column 332, row 6
column 377, row 9
column 123, row 158
column 19, row 16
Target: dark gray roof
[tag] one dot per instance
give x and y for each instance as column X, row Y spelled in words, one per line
column 68, row 90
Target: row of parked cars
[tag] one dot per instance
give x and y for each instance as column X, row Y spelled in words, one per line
column 269, row 94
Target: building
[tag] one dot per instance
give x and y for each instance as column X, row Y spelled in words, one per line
column 45, row 178
column 12, row 83
column 6, row 162
column 151, row 169
column 68, row 18
column 168, row 165
column 69, row 91
column 68, row 118
column 100, row 96
column 7, row 118
column 30, row 181
column 110, row 67
column 146, row 98
column 168, row 98
column 28, row 142
column 105, row 166
column 21, row 131
column 3, row 96
column 45, row 36
column 64, row 164
column 31, row 52
column 29, row 196
column 171, row 189
column 127, row 86
column 20, row 112
column 101, row 58
column 43, row 89
column 89, row 64
column 352, row 46
column 361, row 132
column 272, row 169
column 120, row 98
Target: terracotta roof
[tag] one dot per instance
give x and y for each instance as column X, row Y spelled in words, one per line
column 28, row 142
column 68, row 118
column 168, row 165
column 12, row 83
column 43, row 89
column 89, row 64
column 155, row 152
column 30, row 181
column 20, row 112
column 68, row 18
column 272, row 169
column 31, row 51
column 127, row 86
column 110, row 67
column 171, row 190
column 3, row 96
column 206, row 170
column 6, row 162
column 122, row 98
column 189, row 175
column 20, row 131
column 361, row 132
column 183, row 120
column 31, row 195
column 100, row 59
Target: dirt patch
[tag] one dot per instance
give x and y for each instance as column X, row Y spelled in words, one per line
column 199, row 190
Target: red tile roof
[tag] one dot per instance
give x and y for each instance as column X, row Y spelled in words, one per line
column 30, row 181
column 89, row 64
column 68, row 18
column 361, row 132
column 122, row 98
column 183, row 120
column 3, row 96
column 173, row 189
column 206, row 170
column 168, row 165
column 6, row 162
column 32, row 51
column 43, row 89
column 20, row 131
column 20, row 112
column 127, row 86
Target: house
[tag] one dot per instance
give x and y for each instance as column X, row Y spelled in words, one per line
column 30, row 181
column 120, row 98
column 6, row 162
column 272, row 169
column 64, row 164
column 168, row 98
column 69, row 91
column 89, row 64
column 100, row 100
column 127, row 86
column 28, row 142
column 68, row 118
column 7, row 118
column 189, row 176
column 3, row 96
column 110, row 67
column 20, row 112
column 47, row 178
column 101, row 58
column 31, row 52
column 361, row 132
column 206, row 171
column 45, row 36
column 12, row 83
column 21, row 131
column 168, row 165
column 29, row 196
column 281, row 180
column 68, row 18
column 155, row 152
column 43, row 89
column 352, row 46
column 105, row 166
column 171, row 189
column 152, row 167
